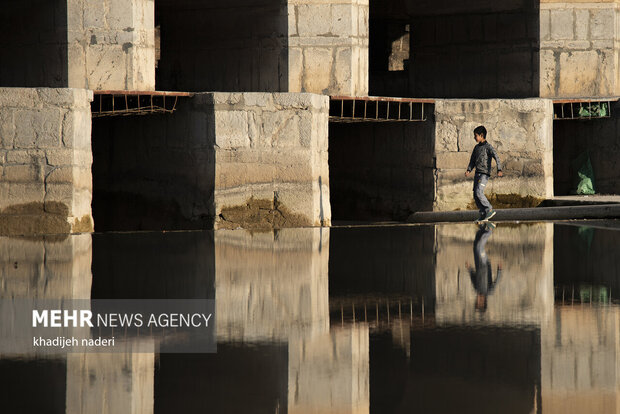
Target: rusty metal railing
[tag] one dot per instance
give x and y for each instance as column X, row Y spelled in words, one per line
column 125, row 103
column 378, row 109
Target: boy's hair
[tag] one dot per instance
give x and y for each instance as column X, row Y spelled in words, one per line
column 481, row 131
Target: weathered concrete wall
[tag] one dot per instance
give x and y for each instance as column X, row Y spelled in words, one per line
column 478, row 49
column 600, row 138
column 45, row 160
column 111, row 44
column 579, row 358
column 328, row 47
column 33, row 43
column 521, row 132
column 271, row 167
column 223, row 160
column 330, row 373
column 279, row 291
column 524, row 292
column 215, row 46
column 381, row 171
column 579, row 48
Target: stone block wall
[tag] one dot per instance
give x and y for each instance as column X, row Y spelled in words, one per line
column 381, row 170
column 328, row 47
column 271, row 167
column 45, row 161
column 521, row 132
column 579, row 48
column 223, row 160
column 111, row 44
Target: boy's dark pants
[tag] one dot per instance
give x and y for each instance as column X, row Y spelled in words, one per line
column 480, row 184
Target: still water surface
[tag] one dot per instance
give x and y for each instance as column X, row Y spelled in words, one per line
column 418, row 319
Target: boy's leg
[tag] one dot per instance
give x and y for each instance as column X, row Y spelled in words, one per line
column 479, row 204
column 485, row 206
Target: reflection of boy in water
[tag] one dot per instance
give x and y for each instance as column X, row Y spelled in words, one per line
column 482, row 275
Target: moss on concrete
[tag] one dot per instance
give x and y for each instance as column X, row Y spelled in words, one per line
column 260, row 214
column 509, row 201
column 41, row 218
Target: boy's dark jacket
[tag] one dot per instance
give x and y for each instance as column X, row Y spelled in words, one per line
column 481, row 158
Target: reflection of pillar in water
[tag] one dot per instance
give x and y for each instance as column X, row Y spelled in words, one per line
column 50, row 268
column 114, row 383
column 524, row 293
column 580, row 360
column 271, row 285
column 53, row 267
column 329, row 373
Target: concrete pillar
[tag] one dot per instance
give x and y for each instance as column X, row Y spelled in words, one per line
column 328, row 47
column 45, row 161
column 111, row 44
column 330, row 373
column 524, row 292
column 280, row 288
column 271, row 165
column 110, row 383
column 579, row 49
column 580, row 349
column 522, row 133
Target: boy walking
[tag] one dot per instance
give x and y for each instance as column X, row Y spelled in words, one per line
column 481, row 158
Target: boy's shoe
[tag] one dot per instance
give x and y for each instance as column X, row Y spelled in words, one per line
column 490, row 214
column 490, row 225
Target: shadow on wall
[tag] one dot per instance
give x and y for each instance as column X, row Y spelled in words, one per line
column 596, row 137
column 153, row 172
column 33, row 43
column 473, row 49
column 381, row 171
column 215, row 46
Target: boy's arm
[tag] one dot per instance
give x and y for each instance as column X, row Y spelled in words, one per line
column 496, row 157
column 471, row 163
